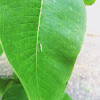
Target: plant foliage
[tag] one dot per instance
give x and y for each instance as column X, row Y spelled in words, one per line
column 41, row 39
column 89, row 2
column 1, row 51
column 13, row 92
column 4, row 85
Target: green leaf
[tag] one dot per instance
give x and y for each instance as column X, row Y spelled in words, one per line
column 89, row 2
column 1, row 51
column 4, row 85
column 16, row 79
column 41, row 40
column 66, row 97
column 17, row 92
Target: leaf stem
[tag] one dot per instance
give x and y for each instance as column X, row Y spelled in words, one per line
column 37, row 44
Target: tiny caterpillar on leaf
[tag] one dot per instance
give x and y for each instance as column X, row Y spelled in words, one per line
column 41, row 47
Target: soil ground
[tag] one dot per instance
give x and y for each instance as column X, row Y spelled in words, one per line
column 84, row 83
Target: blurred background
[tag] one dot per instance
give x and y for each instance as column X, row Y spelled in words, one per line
column 93, row 18
column 84, row 83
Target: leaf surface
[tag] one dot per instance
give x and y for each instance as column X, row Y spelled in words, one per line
column 17, row 92
column 41, row 39
column 4, row 85
column 89, row 2
column 66, row 97
column 1, row 51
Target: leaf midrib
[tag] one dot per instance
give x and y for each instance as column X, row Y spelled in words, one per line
column 37, row 46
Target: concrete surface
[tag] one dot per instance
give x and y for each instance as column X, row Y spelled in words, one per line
column 84, row 83
column 5, row 69
column 93, row 18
